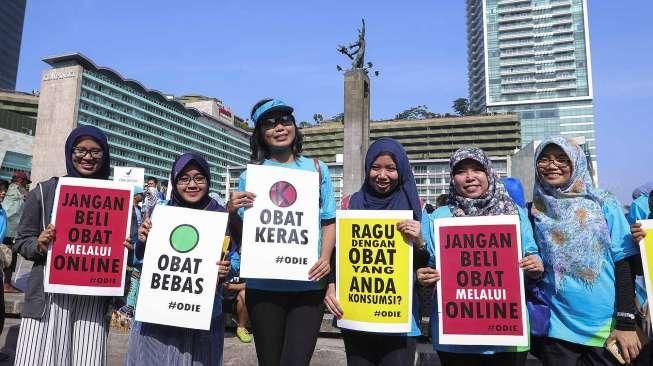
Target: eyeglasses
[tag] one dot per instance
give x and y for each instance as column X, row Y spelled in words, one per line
column 558, row 162
column 270, row 123
column 81, row 152
column 184, row 180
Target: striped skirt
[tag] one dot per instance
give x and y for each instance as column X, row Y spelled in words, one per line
column 72, row 332
column 162, row 345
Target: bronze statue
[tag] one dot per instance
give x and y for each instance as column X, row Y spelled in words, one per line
column 355, row 51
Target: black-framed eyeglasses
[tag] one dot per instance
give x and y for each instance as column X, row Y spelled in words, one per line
column 184, row 180
column 558, row 162
column 270, row 123
column 81, row 152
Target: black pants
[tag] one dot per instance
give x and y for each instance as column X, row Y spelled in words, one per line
column 285, row 325
column 371, row 349
column 556, row 352
column 497, row 359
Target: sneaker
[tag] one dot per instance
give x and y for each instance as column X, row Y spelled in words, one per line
column 243, row 335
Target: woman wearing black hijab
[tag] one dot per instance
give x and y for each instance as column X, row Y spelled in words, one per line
column 61, row 329
column 160, row 345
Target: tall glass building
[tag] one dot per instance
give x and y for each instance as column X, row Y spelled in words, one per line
column 532, row 57
column 12, row 15
column 144, row 127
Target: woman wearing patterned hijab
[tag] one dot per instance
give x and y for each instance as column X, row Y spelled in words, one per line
column 476, row 190
column 584, row 240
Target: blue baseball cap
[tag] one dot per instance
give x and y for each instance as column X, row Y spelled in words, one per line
column 270, row 106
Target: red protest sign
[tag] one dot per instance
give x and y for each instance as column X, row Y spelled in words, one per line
column 91, row 219
column 481, row 290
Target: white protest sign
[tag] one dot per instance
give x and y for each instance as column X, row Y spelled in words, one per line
column 281, row 230
column 88, row 256
column 135, row 176
column 180, row 271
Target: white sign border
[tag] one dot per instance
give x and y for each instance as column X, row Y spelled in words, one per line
column 371, row 215
column 88, row 290
column 247, row 226
column 646, row 225
column 211, row 282
column 471, row 339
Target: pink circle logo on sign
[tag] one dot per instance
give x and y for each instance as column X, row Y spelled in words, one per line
column 283, row 194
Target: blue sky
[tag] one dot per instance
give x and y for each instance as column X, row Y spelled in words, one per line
column 242, row 51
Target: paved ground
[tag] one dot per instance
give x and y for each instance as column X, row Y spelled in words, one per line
column 329, row 351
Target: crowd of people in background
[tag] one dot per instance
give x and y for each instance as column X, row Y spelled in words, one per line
column 579, row 249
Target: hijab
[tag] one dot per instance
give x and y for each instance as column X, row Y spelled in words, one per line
column 403, row 197
column 495, row 202
column 643, row 190
column 100, row 138
column 569, row 225
column 206, row 203
column 515, row 190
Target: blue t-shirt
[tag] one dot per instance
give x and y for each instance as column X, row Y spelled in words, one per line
column 327, row 212
column 528, row 247
column 639, row 209
column 3, row 224
column 582, row 314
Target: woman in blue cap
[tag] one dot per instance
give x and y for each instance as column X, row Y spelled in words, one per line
column 286, row 315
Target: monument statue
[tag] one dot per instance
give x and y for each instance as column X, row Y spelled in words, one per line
column 356, row 53
column 356, row 50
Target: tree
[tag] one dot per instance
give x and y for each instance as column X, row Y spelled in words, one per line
column 340, row 117
column 318, row 118
column 419, row 112
column 461, row 106
column 304, row 124
column 243, row 125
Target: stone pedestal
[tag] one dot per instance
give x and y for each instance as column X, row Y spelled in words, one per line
column 357, row 129
column 57, row 116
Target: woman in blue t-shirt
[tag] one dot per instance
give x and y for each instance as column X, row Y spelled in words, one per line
column 286, row 315
column 389, row 185
column 476, row 190
column 585, row 241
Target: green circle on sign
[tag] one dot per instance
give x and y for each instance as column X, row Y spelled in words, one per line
column 184, row 238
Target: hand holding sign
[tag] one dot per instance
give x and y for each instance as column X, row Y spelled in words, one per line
column 45, row 238
column 637, row 232
column 428, row 276
column 223, row 268
column 144, row 230
column 533, row 266
column 412, row 230
column 320, row 269
column 239, row 200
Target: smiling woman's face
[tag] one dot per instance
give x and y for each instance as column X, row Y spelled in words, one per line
column 470, row 179
column 383, row 176
column 554, row 166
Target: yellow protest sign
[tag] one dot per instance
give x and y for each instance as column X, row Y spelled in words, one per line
column 646, row 250
column 374, row 271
